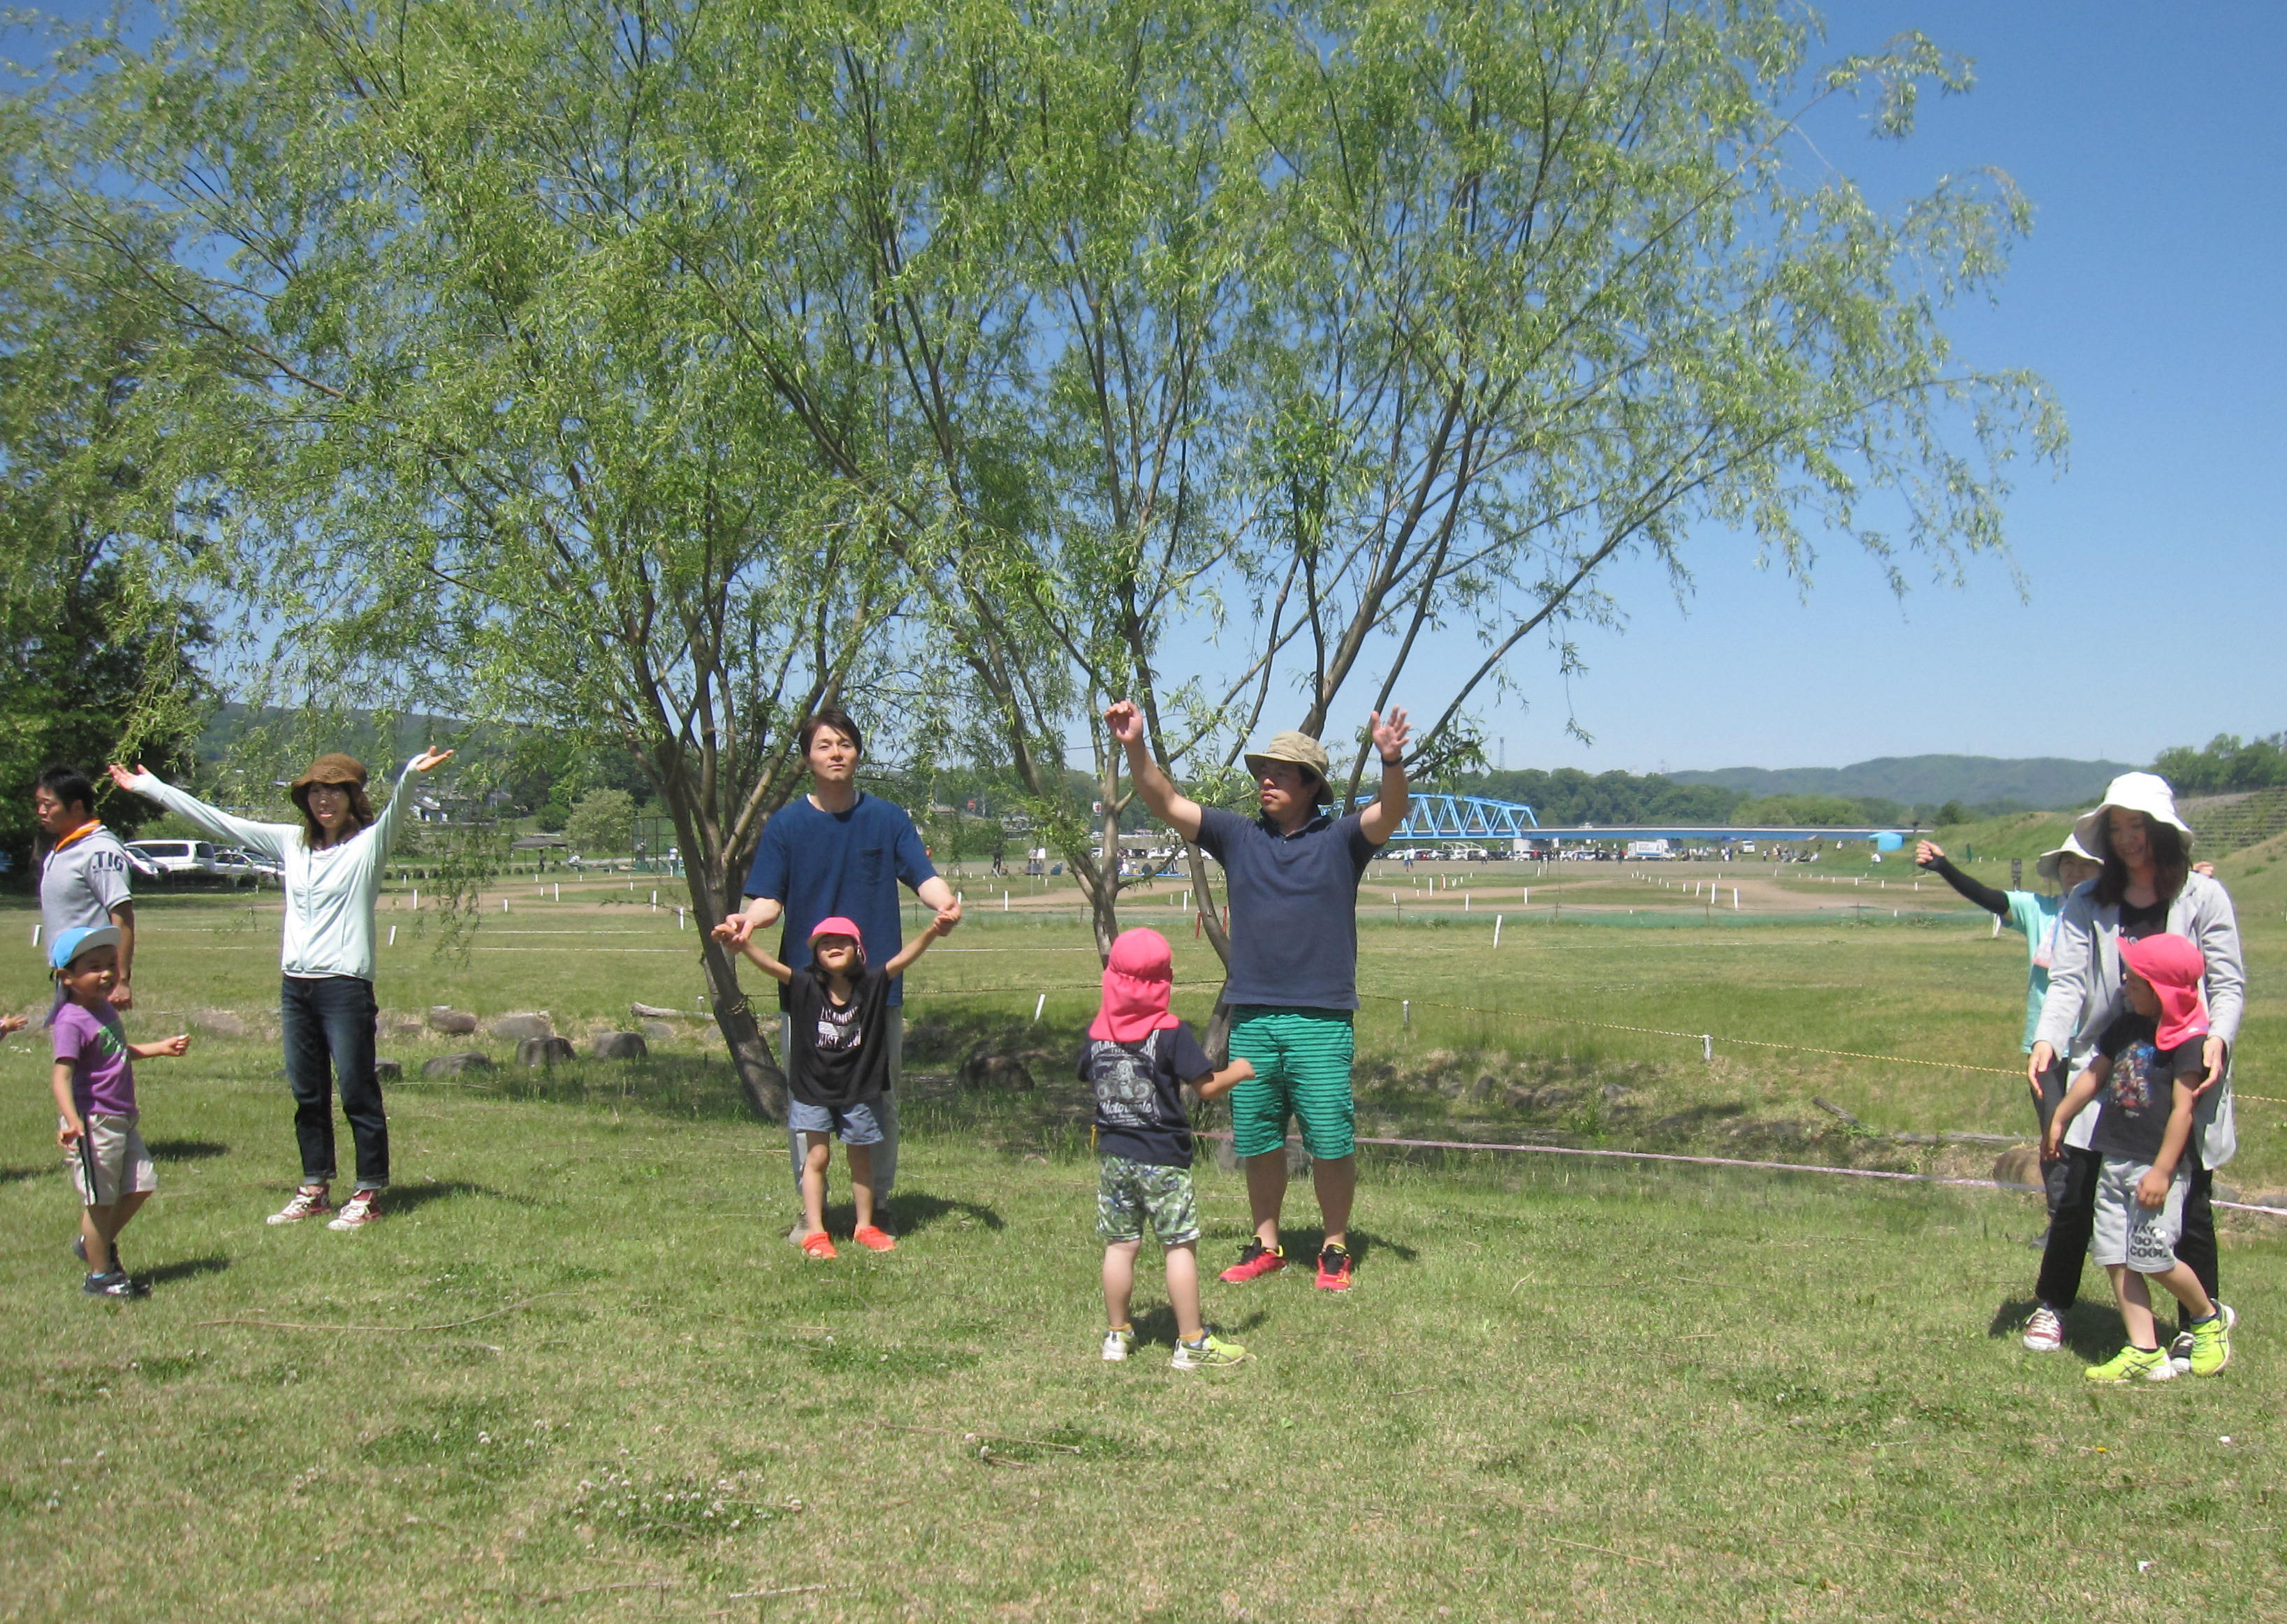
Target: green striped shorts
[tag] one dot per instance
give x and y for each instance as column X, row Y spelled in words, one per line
column 1301, row 1061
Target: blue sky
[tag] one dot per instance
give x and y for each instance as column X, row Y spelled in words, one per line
column 2150, row 141
column 2148, row 294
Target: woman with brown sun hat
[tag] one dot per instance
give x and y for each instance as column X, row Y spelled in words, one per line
column 332, row 861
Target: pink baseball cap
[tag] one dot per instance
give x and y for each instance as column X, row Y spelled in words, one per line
column 835, row 924
column 2175, row 966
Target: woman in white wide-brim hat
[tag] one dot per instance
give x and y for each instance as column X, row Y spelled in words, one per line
column 2148, row 885
column 2033, row 915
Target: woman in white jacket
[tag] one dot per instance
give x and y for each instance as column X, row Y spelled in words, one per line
column 2148, row 885
column 332, row 861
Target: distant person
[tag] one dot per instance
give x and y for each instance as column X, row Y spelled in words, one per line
column 2033, row 916
column 2148, row 886
column 97, row 1120
column 840, row 852
column 2147, row 1068
column 1136, row 1061
column 1291, row 876
column 331, row 863
column 838, row 1062
column 84, row 878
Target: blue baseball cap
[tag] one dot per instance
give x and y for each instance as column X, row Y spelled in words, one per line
column 70, row 944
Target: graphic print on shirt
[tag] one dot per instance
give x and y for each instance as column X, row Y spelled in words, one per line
column 2132, row 1077
column 1122, row 1080
column 838, row 1029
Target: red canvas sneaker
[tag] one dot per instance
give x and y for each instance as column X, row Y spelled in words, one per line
column 1335, row 1268
column 1256, row 1260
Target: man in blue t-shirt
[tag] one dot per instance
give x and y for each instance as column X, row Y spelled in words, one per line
column 838, row 851
column 1292, row 877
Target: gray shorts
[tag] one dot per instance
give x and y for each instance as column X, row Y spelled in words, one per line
column 2127, row 1232
column 857, row 1124
column 109, row 1161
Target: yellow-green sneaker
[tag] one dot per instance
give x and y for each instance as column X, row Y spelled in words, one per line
column 1210, row 1352
column 2211, row 1345
column 2132, row 1363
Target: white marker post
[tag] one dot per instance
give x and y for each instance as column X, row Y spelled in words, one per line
column 1039, row 1004
column 1735, row 899
column 1497, row 925
column 392, row 936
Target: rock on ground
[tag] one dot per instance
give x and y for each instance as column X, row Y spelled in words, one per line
column 657, row 1031
column 387, row 1070
column 442, row 1018
column 619, row 1046
column 521, row 1026
column 544, row 1051
column 2020, row 1164
column 453, row 1065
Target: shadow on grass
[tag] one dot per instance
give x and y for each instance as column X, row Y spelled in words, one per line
column 1155, row 1326
column 411, row 1198
column 917, row 1209
column 186, row 1150
column 183, row 1269
column 2092, row 1329
column 1302, row 1246
column 16, row 1175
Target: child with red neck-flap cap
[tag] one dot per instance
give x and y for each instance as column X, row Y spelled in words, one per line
column 1138, row 1058
column 2145, row 1075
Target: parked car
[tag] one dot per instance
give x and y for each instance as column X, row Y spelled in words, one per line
column 239, row 868
column 179, row 856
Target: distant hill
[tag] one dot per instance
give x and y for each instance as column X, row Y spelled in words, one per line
column 2036, row 781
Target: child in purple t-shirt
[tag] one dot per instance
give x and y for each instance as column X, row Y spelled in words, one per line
column 95, row 1103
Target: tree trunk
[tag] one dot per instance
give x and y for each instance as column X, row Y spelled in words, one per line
column 706, row 876
column 1217, row 1041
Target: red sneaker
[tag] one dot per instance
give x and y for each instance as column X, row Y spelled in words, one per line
column 817, row 1245
column 874, row 1239
column 1256, row 1260
column 1335, row 1268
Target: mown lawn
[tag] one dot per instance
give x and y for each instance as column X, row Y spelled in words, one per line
column 604, row 1386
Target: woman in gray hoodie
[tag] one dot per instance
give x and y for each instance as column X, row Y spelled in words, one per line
column 2148, row 885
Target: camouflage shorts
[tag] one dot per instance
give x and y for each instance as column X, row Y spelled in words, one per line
column 1127, row 1193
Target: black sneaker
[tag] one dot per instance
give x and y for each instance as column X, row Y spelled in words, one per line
column 115, row 1284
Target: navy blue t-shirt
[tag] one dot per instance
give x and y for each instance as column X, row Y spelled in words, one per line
column 820, row 864
column 1293, row 908
column 1139, row 1094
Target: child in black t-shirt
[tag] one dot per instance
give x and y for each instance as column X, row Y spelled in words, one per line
column 838, row 1064
column 2146, row 1071
column 1136, row 1060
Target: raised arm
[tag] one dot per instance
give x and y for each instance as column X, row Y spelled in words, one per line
column 913, row 949
column 268, row 838
column 1168, row 805
column 1930, row 855
column 1382, row 820
column 384, row 827
column 728, row 932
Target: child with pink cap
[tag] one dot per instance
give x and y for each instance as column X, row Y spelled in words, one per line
column 838, row 1062
column 1137, row 1059
column 2148, row 1065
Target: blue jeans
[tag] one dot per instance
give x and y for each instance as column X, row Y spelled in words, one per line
column 329, row 1023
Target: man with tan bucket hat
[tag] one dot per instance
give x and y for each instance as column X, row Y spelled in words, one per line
column 331, row 860
column 1291, row 876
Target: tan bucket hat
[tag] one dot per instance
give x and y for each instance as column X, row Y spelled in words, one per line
column 2049, row 861
column 334, row 768
column 2145, row 792
column 1296, row 750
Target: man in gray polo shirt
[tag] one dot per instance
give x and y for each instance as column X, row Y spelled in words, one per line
column 83, row 874
column 1292, row 877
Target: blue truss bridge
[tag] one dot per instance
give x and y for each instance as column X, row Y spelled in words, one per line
column 1434, row 820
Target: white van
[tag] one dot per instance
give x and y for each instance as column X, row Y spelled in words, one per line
column 178, row 856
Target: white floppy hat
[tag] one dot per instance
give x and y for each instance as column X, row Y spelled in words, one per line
column 2144, row 792
column 2047, row 864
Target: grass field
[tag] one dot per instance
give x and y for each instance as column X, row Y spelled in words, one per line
column 594, row 1382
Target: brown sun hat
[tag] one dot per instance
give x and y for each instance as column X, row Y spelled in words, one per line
column 1296, row 750
column 334, row 768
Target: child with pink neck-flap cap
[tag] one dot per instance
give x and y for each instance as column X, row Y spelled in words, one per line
column 1137, row 1059
column 2145, row 1073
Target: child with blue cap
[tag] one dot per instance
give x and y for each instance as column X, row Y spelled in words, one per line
column 95, row 1103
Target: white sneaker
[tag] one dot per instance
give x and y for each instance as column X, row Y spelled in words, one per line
column 1116, row 1344
column 2045, row 1332
column 308, row 1202
column 358, row 1211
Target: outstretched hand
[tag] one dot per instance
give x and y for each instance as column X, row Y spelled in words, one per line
column 1928, row 854
column 431, row 758
column 1126, row 721
column 123, row 777
column 1391, row 737
column 177, row 1045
